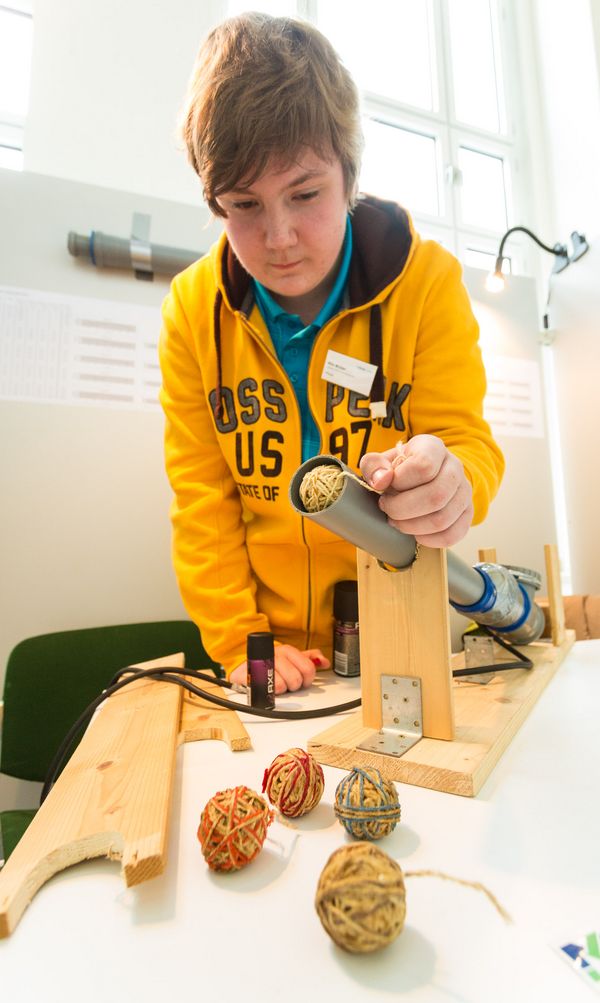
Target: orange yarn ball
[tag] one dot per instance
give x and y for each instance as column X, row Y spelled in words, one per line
column 233, row 828
column 294, row 782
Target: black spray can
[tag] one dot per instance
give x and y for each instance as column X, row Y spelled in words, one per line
column 260, row 654
column 346, row 651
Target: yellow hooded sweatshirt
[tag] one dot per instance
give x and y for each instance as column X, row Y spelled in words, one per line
column 245, row 561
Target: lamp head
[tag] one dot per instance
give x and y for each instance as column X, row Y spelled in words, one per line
column 495, row 280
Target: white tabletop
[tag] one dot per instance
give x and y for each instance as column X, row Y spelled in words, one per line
column 531, row 836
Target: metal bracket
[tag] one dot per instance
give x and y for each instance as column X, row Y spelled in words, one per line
column 401, row 717
column 479, row 651
column 140, row 247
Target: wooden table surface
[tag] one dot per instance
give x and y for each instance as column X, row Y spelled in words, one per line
column 531, row 836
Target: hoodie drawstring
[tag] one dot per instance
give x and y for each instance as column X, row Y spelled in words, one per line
column 377, row 405
column 218, row 407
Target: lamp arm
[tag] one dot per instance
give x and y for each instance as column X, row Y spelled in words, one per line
column 560, row 253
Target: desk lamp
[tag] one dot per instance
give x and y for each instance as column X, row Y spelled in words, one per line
column 495, row 280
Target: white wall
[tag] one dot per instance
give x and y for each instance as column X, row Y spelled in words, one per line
column 108, row 80
column 84, row 534
column 576, row 349
column 107, row 84
column 521, row 518
column 567, row 58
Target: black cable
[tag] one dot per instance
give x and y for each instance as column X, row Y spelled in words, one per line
column 522, row 662
column 196, row 673
column 173, row 675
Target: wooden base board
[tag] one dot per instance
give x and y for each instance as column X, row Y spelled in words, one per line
column 487, row 718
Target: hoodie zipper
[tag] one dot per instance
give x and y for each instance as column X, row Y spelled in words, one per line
column 253, row 334
column 309, row 580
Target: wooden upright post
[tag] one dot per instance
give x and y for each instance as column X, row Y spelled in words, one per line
column 405, row 631
column 556, row 607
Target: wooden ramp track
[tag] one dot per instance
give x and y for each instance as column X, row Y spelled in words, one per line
column 486, row 718
column 113, row 798
column 201, row 720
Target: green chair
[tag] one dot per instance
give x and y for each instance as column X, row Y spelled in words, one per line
column 51, row 679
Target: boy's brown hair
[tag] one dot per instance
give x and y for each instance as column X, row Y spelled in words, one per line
column 262, row 89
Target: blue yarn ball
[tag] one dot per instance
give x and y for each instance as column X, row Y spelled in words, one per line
column 367, row 804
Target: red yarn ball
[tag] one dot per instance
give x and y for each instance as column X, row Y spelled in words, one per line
column 294, row 782
column 233, row 828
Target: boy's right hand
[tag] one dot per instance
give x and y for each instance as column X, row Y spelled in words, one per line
column 294, row 669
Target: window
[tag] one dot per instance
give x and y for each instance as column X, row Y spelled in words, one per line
column 417, row 183
column 439, row 137
column 278, row 8
column 369, row 37
column 442, row 128
column 16, row 38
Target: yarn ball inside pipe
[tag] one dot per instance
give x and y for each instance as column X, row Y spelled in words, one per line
column 361, row 899
column 320, row 487
column 294, row 782
column 233, row 827
column 367, row 804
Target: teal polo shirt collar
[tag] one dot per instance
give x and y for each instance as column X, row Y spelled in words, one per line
column 273, row 313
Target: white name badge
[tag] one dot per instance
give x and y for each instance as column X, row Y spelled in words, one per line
column 348, row 372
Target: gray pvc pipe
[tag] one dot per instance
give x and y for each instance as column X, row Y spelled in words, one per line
column 133, row 254
column 355, row 515
column 465, row 585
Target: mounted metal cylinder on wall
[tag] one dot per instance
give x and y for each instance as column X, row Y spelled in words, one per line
column 141, row 257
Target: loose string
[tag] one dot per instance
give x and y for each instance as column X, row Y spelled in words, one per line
column 467, row 884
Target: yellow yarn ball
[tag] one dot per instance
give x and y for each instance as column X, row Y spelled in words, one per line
column 320, row 487
column 361, row 899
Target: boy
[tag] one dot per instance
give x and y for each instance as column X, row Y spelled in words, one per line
column 272, row 127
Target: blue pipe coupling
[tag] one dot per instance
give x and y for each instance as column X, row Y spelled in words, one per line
column 506, row 605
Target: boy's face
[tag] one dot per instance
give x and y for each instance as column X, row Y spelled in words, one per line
column 287, row 229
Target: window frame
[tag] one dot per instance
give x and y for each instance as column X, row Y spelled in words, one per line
column 12, row 126
column 450, row 133
column 386, row 112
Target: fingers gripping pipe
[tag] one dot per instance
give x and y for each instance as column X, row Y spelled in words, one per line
column 498, row 596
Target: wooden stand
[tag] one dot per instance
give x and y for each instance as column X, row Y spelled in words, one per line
column 407, row 633
column 404, row 626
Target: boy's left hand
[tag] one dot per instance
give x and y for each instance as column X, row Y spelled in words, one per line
column 294, row 669
column 425, row 491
